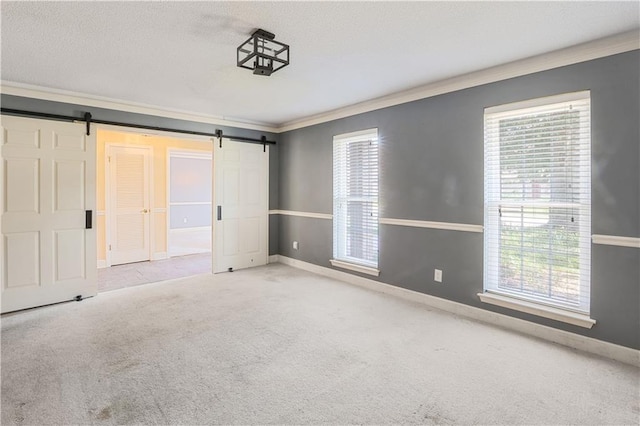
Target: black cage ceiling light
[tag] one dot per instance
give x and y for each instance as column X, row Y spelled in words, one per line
column 262, row 54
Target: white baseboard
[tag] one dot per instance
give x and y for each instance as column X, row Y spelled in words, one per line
column 572, row 340
column 273, row 258
column 190, row 230
column 102, row 264
column 160, row 255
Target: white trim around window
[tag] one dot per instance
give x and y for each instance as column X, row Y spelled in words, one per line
column 537, row 181
column 355, row 267
column 355, row 198
column 537, row 309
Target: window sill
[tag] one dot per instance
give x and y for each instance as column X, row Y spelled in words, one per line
column 532, row 308
column 353, row 267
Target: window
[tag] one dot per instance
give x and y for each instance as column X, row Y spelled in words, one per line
column 355, row 199
column 537, row 194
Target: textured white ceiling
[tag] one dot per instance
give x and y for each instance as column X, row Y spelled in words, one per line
column 181, row 55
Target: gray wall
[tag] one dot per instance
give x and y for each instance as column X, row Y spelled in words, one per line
column 190, row 216
column 432, row 169
column 38, row 105
column 189, row 179
column 189, row 182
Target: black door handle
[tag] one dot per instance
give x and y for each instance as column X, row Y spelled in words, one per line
column 88, row 219
column 219, row 212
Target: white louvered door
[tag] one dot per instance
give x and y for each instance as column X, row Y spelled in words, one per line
column 129, row 207
column 48, row 251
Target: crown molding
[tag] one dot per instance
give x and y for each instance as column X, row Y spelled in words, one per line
column 56, row 95
column 608, row 46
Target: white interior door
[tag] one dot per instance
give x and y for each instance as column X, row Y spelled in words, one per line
column 241, row 184
column 129, row 204
column 47, row 253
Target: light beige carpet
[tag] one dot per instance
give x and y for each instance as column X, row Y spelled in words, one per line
column 132, row 274
column 281, row 346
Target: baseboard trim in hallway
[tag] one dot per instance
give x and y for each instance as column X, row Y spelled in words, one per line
column 565, row 338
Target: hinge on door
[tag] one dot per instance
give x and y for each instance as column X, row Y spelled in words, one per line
column 109, row 247
column 109, row 158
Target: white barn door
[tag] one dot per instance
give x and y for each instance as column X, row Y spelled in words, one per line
column 47, row 252
column 241, row 186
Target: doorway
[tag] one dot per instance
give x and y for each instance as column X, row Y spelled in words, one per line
column 189, row 185
column 134, row 208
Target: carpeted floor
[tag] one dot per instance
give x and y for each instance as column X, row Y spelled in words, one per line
column 132, row 274
column 276, row 345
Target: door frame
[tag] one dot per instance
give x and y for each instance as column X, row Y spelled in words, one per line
column 137, row 131
column 185, row 153
column 108, row 210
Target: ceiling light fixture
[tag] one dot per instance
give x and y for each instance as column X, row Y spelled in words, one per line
column 262, row 54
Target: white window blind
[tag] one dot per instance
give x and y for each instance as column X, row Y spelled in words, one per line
column 537, row 193
column 355, row 197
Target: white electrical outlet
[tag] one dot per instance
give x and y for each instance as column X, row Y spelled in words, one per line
column 437, row 275
column 295, row 245
column 184, row 220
